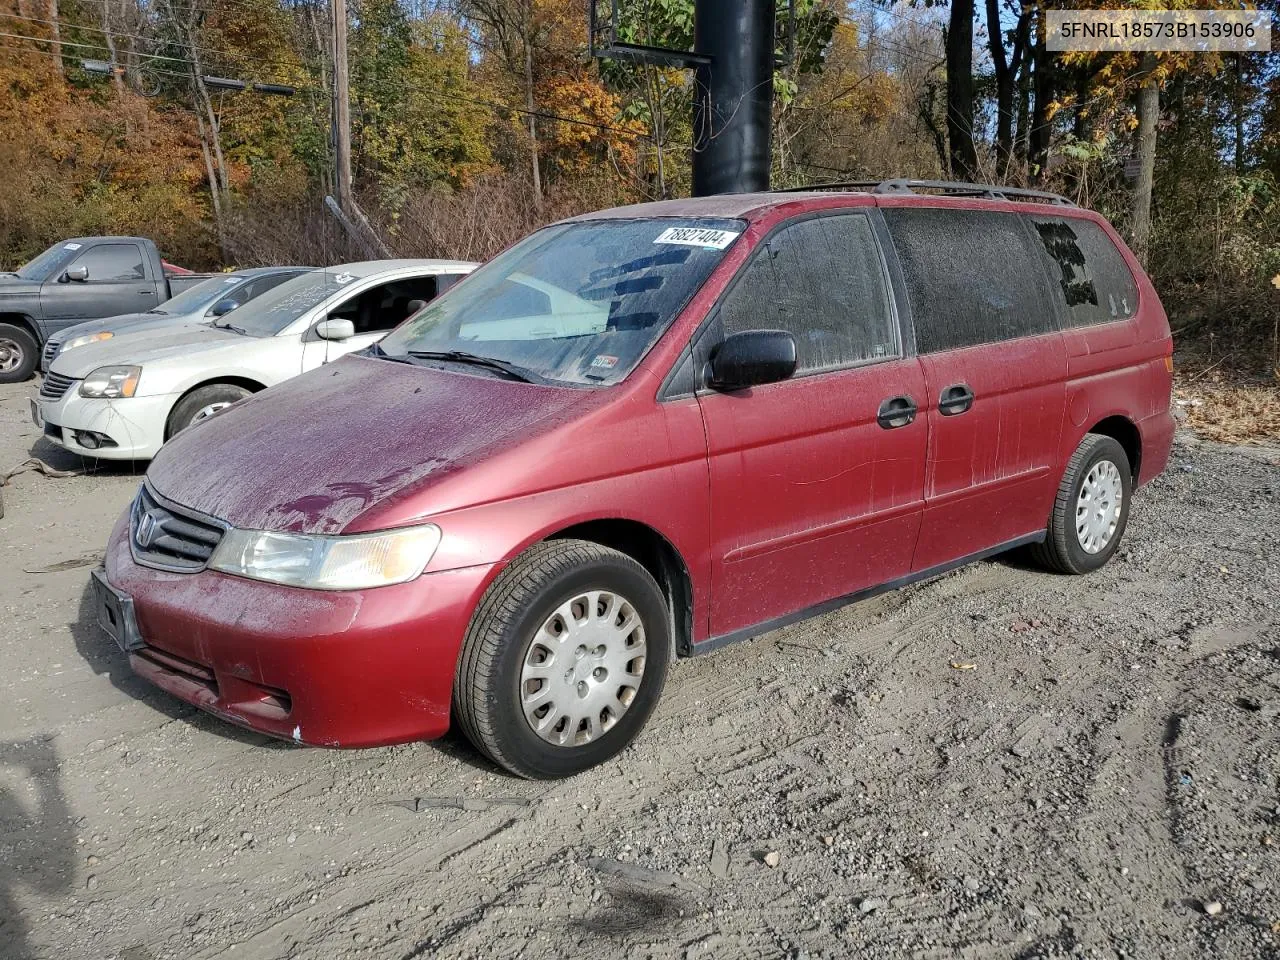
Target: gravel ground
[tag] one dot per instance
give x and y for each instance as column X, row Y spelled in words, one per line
column 1000, row 763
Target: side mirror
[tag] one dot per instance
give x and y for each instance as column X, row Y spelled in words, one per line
column 335, row 329
column 414, row 306
column 753, row 358
column 223, row 307
column 77, row 274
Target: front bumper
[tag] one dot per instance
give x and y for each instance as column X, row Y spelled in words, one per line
column 135, row 426
column 338, row 669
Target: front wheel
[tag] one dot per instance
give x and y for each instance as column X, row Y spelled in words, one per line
column 19, row 353
column 202, row 403
column 1091, row 509
column 564, row 660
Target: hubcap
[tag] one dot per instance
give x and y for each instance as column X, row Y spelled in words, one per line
column 10, row 355
column 1098, row 506
column 583, row 668
column 210, row 409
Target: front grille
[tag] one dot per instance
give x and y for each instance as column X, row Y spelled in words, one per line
column 170, row 538
column 50, row 348
column 54, row 386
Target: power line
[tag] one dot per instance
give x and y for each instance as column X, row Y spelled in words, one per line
column 157, row 40
column 490, row 104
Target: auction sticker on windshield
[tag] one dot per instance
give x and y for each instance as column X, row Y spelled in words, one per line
column 697, row 237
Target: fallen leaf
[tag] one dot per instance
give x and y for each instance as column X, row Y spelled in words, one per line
column 963, row 666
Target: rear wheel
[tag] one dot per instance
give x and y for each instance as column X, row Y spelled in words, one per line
column 1091, row 510
column 564, row 660
column 201, row 403
column 19, row 353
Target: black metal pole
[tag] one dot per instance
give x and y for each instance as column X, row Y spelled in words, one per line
column 733, row 96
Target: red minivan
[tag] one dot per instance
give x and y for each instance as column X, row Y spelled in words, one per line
column 639, row 435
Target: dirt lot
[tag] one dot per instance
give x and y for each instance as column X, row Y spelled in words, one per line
column 1001, row 763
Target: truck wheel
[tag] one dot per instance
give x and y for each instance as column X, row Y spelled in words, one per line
column 1091, row 509
column 19, row 353
column 201, row 403
column 564, row 659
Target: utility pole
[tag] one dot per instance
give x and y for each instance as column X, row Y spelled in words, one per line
column 341, row 106
column 733, row 96
column 733, row 62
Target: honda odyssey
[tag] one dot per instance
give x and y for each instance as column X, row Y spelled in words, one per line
column 636, row 436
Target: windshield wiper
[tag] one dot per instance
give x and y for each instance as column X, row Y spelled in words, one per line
column 510, row 370
column 373, row 350
column 232, row 327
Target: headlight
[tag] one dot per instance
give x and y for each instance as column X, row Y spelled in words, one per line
column 327, row 563
column 87, row 338
column 111, row 382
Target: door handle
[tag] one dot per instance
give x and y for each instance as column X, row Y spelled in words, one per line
column 897, row 412
column 955, row 400
column 146, row 293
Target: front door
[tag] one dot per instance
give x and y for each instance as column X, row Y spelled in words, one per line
column 814, row 495
column 995, row 367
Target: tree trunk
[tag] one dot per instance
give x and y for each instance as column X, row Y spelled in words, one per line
column 1238, row 119
column 215, row 195
column 964, row 156
column 1145, row 147
column 533, row 121
column 1044, row 89
column 1006, row 72
column 55, row 31
column 117, row 72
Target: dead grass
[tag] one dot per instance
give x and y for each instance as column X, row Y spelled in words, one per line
column 1217, row 408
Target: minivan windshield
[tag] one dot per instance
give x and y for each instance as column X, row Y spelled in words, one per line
column 575, row 303
column 267, row 315
column 202, row 295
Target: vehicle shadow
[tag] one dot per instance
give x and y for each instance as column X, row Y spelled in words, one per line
column 106, row 659
column 37, row 846
column 59, row 458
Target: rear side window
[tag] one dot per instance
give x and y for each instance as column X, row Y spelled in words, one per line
column 110, row 262
column 1095, row 281
column 822, row 281
column 971, row 275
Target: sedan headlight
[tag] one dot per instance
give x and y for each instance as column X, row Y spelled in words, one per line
column 327, row 563
column 111, row 382
column 87, row 338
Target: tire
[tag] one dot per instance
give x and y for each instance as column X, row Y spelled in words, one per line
column 19, row 353
column 513, row 632
column 200, row 403
column 1067, row 549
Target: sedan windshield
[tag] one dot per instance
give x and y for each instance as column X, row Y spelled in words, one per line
column 576, row 303
column 200, row 297
column 267, row 315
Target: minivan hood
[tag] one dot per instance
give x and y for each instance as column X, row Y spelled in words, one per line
column 315, row 452
column 144, row 346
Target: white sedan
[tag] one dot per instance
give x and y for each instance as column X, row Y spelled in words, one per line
column 122, row 398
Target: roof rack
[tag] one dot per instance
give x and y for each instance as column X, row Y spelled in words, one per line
column 949, row 187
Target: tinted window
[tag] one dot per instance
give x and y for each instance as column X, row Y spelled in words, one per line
column 972, row 276
column 822, row 281
column 1094, row 279
column 386, row 306
column 112, row 261
column 261, row 285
